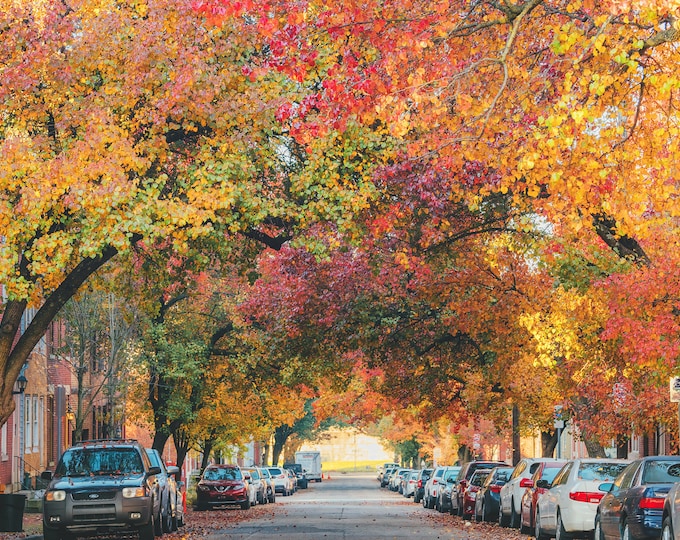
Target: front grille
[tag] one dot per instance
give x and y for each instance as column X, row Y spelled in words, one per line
column 94, row 495
column 94, row 512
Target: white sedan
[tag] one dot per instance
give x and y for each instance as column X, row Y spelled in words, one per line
column 570, row 505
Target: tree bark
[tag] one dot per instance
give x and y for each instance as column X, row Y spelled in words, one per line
column 548, row 443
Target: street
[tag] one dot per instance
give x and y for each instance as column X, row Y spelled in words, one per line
column 354, row 506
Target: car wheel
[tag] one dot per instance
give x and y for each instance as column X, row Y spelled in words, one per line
column 430, row 503
column 167, row 519
column 514, row 517
column 424, row 501
column 502, row 520
column 416, row 499
column 158, row 524
column 51, row 534
column 597, row 532
column 538, row 532
column 146, row 532
column 625, row 535
column 485, row 514
column 246, row 505
column 560, row 533
column 667, row 529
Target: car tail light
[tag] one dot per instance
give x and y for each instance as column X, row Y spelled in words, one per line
column 652, row 503
column 494, row 488
column 420, row 483
column 586, row 496
column 526, row 483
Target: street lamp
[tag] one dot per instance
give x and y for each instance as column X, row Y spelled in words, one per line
column 22, row 383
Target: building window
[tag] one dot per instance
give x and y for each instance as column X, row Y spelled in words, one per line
column 3, row 442
column 36, row 424
column 28, row 425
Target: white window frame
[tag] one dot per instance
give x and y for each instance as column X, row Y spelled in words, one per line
column 28, row 424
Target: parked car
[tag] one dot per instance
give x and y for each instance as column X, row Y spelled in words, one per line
column 269, row 482
column 302, row 481
column 470, row 492
column 282, row 481
column 385, row 480
column 257, row 484
column 423, row 477
column 670, row 530
column 222, row 485
column 432, row 487
column 443, row 502
column 118, row 471
column 541, row 480
column 396, row 478
column 464, row 476
column 513, row 491
column 293, row 480
column 410, row 482
column 568, row 508
column 167, row 488
column 633, row 507
column 382, row 468
column 488, row 497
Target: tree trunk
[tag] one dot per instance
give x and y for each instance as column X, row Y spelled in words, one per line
column 207, row 450
column 548, row 443
column 281, row 435
column 13, row 354
column 516, row 450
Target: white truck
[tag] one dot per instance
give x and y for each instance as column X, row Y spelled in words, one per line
column 311, row 464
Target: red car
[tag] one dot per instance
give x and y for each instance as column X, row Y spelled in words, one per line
column 470, row 491
column 545, row 473
column 222, row 485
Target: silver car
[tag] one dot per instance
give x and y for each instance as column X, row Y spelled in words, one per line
column 670, row 530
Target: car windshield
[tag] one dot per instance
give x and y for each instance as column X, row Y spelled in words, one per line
column 549, row 473
column 221, row 474
column 661, row 472
column 601, row 472
column 450, row 473
column 91, row 461
column 503, row 475
column 479, row 477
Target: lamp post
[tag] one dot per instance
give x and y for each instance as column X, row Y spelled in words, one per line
column 22, row 383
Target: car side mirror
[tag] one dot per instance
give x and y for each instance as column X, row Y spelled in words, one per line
column 606, row 487
column 173, row 469
column 154, row 470
column 46, row 475
column 543, row 484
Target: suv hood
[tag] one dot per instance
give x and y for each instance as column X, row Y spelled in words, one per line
column 83, row 482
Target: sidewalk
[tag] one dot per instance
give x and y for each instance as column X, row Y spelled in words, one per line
column 32, row 525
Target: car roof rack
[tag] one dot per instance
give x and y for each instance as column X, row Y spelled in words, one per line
column 106, row 441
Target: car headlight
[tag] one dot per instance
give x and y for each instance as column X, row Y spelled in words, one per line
column 58, row 495
column 132, row 492
column 202, row 487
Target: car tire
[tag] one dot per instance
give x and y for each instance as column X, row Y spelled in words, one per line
column 146, row 532
column 667, row 529
column 597, row 532
column 51, row 534
column 514, row 517
column 246, row 505
column 502, row 520
column 538, row 532
column 625, row 534
column 167, row 519
column 485, row 514
column 560, row 532
column 158, row 524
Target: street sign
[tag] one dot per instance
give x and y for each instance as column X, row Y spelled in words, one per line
column 558, row 419
column 675, row 389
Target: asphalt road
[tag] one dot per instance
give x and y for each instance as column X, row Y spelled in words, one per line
column 354, row 506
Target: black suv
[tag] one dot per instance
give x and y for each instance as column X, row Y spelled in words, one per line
column 302, row 481
column 102, row 487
